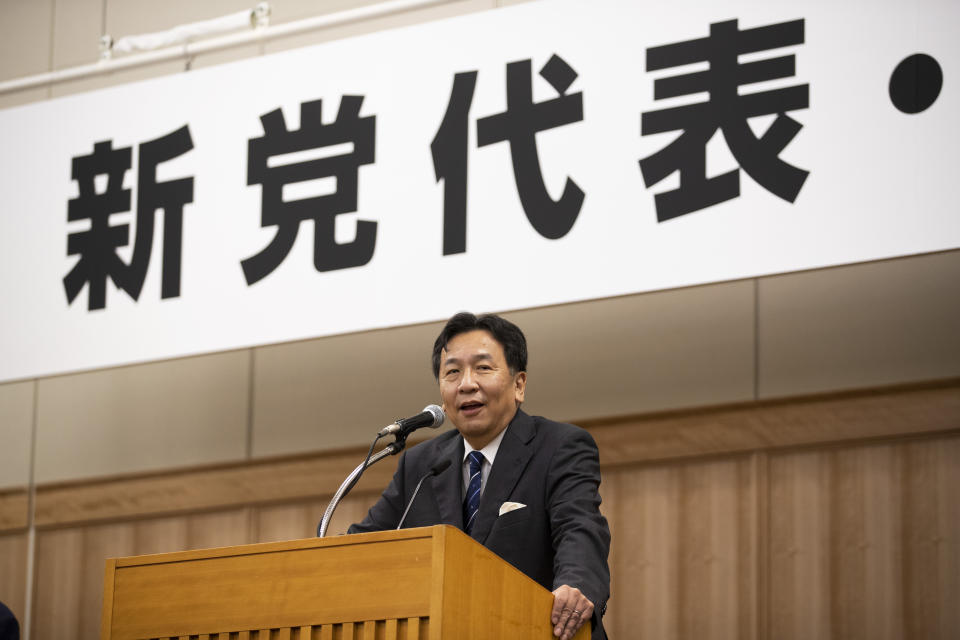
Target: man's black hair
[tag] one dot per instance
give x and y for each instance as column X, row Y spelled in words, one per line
column 503, row 331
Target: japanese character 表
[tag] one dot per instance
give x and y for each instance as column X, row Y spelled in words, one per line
column 727, row 110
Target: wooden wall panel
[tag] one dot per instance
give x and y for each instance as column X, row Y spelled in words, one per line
column 931, row 538
column 814, row 421
column 58, row 582
column 948, row 538
column 69, row 580
column 351, row 510
column 878, row 475
column 682, row 557
column 99, row 542
column 291, row 521
column 823, row 522
column 864, row 541
column 68, row 586
column 287, row 521
column 798, row 576
column 205, row 489
column 160, row 535
column 13, row 572
column 219, row 529
column 14, row 509
column 70, row 562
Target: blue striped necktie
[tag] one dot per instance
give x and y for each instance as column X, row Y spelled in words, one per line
column 472, row 502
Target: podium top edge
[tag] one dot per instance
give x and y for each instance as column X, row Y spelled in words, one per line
column 284, row 545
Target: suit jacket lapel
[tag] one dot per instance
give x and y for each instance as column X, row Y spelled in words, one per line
column 511, row 460
column 448, row 485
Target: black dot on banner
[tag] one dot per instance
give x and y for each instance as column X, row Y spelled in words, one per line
column 915, row 84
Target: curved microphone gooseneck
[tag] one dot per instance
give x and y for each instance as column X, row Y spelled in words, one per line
column 432, row 416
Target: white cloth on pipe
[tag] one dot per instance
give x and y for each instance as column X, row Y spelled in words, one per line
column 184, row 33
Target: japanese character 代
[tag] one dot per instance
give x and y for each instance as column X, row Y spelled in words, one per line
column 518, row 125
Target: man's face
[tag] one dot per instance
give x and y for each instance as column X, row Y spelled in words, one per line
column 479, row 393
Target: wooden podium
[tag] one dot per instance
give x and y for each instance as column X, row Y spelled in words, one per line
column 412, row 584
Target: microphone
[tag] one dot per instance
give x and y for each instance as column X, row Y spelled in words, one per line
column 436, row 469
column 432, row 416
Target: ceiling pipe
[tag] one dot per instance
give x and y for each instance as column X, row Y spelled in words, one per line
column 190, row 49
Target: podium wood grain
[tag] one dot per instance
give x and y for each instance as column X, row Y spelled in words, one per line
column 414, row 584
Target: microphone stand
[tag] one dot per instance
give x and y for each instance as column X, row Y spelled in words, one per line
column 393, row 448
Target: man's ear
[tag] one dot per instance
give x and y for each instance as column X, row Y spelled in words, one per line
column 519, row 386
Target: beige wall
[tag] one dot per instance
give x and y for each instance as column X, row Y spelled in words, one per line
column 850, row 327
column 16, row 426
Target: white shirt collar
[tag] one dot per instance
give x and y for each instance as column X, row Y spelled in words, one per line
column 490, row 451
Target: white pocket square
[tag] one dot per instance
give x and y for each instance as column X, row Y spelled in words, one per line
column 507, row 507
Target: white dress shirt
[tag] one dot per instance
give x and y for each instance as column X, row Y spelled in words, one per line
column 489, row 454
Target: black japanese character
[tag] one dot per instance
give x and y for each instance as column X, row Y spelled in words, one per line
column 449, row 150
column 518, row 125
column 726, row 110
column 349, row 127
column 97, row 246
column 171, row 197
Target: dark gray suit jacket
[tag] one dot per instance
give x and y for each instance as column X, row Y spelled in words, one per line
column 9, row 627
column 553, row 468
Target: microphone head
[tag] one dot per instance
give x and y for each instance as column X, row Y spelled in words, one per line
column 438, row 415
column 432, row 416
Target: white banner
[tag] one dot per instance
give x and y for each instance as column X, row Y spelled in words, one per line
column 585, row 150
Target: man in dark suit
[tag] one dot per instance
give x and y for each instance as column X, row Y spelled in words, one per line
column 529, row 493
